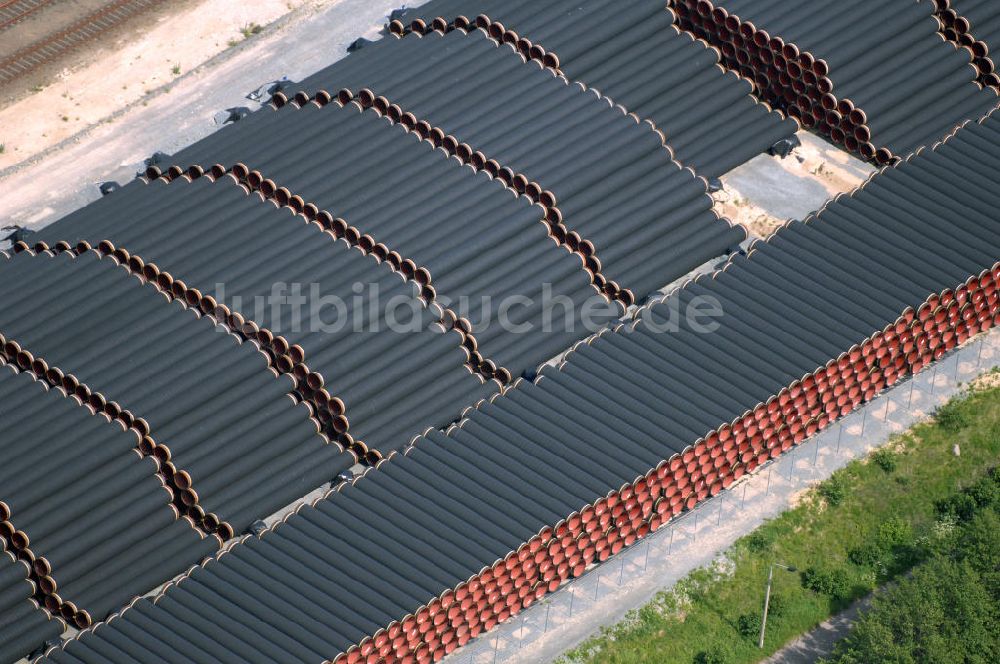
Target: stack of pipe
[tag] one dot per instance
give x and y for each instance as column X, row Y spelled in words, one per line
column 623, row 201
column 974, row 24
column 634, row 427
column 235, row 445
column 634, row 54
column 417, row 205
column 85, row 509
column 25, row 625
column 394, row 363
column 877, row 78
column 600, row 165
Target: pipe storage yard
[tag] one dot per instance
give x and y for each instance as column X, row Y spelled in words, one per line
column 882, row 91
column 171, row 376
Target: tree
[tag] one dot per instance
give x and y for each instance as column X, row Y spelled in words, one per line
column 943, row 613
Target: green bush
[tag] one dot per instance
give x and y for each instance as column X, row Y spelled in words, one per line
column 866, row 555
column 888, row 550
column 760, row 540
column 714, row 655
column 776, row 607
column 834, row 490
column 749, row 625
column 830, row 582
column 963, row 506
column 954, row 415
column 885, row 459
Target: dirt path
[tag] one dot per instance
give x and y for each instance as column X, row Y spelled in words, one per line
column 820, row 642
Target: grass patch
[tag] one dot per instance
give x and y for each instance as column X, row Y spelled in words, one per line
column 869, row 523
column 251, row 29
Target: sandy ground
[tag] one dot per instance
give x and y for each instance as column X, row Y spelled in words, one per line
column 764, row 192
column 115, row 73
column 64, row 176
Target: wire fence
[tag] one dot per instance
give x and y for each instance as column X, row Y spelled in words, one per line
column 631, row 578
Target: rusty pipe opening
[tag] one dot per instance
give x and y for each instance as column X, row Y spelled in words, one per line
column 366, row 97
column 326, row 221
column 121, row 255
column 24, row 360
column 97, row 401
column 314, row 380
column 208, row 305
column 450, row 144
column 189, row 496
column 182, row 480
column 254, row 179
column 41, row 567
column 70, row 384
column 394, row 260
column 418, row 26
column 883, row 156
column 148, row 446
column 165, row 281
column 39, row 367
column 135, row 264
column 496, row 30
column 55, row 378
column 366, row 243
column 510, row 37
column 20, row 541
column 150, row 272
column 340, row 424
column 396, row 27
column 178, row 288
column 422, row 276
column 82, row 619
column 352, row 235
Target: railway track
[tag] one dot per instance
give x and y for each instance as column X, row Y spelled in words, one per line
column 58, row 44
column 13, row 12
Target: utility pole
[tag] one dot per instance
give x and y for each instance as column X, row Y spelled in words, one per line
column 767, row 598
